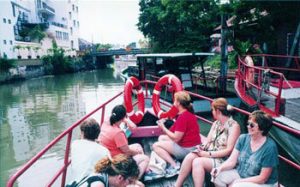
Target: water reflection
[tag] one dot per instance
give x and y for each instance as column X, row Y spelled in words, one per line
column 34, row 112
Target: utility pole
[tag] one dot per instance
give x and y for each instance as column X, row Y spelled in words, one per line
column 224, row 53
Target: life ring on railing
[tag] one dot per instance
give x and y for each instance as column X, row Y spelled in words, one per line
column 176, row 86
column 133, row 85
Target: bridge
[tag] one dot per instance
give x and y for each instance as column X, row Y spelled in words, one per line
column 114, row 52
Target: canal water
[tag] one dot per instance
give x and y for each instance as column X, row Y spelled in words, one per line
column 34, row 112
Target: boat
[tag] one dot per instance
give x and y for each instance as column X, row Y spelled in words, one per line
column 274, row 89
column 146, row 132
column 194, row 78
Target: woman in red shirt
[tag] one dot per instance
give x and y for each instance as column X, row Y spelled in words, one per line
column 182, row 137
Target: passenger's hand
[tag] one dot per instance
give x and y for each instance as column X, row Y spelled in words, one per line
column 161, row 123
column 215, row 172
column 129, row 123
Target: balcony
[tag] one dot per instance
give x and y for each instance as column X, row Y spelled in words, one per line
column 46, row 9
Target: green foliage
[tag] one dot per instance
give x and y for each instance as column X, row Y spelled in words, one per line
column 103, row 47
column 57, row 62
column 37, row 33
column 6, row 64
column 215, row 61
column 178, row 26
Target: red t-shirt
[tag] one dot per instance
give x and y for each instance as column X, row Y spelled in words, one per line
column 187, row 123
column 112, row 138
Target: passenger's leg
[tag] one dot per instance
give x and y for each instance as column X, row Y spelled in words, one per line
column 200, row 166
column 137, row 147
column 142, row 161
column 226, row 177
column 186, row 167
column 164, row 138
column 251, row 184
column 164, row 149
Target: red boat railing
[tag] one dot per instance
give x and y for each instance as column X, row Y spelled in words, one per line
column 261, row 74
column 69, row 132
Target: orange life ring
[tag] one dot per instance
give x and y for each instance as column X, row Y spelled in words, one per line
column 176, row 86
column 133, row 85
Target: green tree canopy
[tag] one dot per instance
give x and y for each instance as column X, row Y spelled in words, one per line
column 178, row 26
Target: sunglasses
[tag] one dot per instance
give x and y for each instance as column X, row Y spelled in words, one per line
column 251, row 124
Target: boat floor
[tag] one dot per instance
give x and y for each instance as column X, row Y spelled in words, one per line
column 292, row 111
column 163, row 182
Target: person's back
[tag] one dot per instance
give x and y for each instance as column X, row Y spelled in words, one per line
column 112, row 138
column 85, row 153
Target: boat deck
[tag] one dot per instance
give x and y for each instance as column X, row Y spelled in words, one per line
column 164, row 182
column 292, row 111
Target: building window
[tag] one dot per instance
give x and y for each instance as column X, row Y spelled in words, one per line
column 9, row 21
column 77, row 23
column 71, row 30
column 70, row 15
column 72, row 44
column 10, row 41
column 4, row 20
column 74, row 23
column 76, row 8
column 4, row 42
column 73, row 7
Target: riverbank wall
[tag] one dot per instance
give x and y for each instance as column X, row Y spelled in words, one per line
column 25, row 69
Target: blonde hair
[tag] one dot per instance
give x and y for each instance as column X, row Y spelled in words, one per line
column 118, row 165
column 185, row 100
column 222, row 105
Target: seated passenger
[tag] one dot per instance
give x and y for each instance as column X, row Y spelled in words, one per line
column 119, row 171
column 182, row 137
column 254, row 159
column 86, row 152
column 114, row 139
column 220, row 142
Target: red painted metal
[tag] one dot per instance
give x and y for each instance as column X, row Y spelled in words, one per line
column 139, row 132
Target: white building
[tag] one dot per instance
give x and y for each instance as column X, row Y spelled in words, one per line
column 57, row 18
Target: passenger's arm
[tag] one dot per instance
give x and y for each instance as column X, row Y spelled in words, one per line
column 228, row 164
column 233, row 135
column 175, row 136
column 259, row 179
column 97, row 184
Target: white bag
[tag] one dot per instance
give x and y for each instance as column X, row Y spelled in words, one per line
column 157, row 164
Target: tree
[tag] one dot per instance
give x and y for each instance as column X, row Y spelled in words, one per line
column 265, row 21
column 174, row 26
column 36, row 33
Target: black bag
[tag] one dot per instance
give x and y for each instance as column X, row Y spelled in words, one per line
column 89, row 180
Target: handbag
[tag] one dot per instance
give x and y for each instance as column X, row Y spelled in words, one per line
column 157, row 164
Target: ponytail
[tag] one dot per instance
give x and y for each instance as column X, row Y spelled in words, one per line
column 185, row 100
column 118, row 113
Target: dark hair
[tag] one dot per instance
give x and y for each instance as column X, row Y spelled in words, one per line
column 184, row 100
column 118, row 113
column 222, row 105
column 118, row 165
column 90, row 129
column 263, row 120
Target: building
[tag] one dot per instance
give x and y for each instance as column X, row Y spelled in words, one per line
column 19, row 18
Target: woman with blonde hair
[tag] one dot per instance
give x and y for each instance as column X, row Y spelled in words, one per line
column 181, row 138
column 119, row 171
column 220, row 142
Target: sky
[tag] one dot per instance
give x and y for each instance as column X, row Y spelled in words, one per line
column 109, row 21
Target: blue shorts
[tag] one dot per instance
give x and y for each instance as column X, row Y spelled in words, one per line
column 180, row 152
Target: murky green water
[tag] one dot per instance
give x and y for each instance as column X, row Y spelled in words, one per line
column 34, row 112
